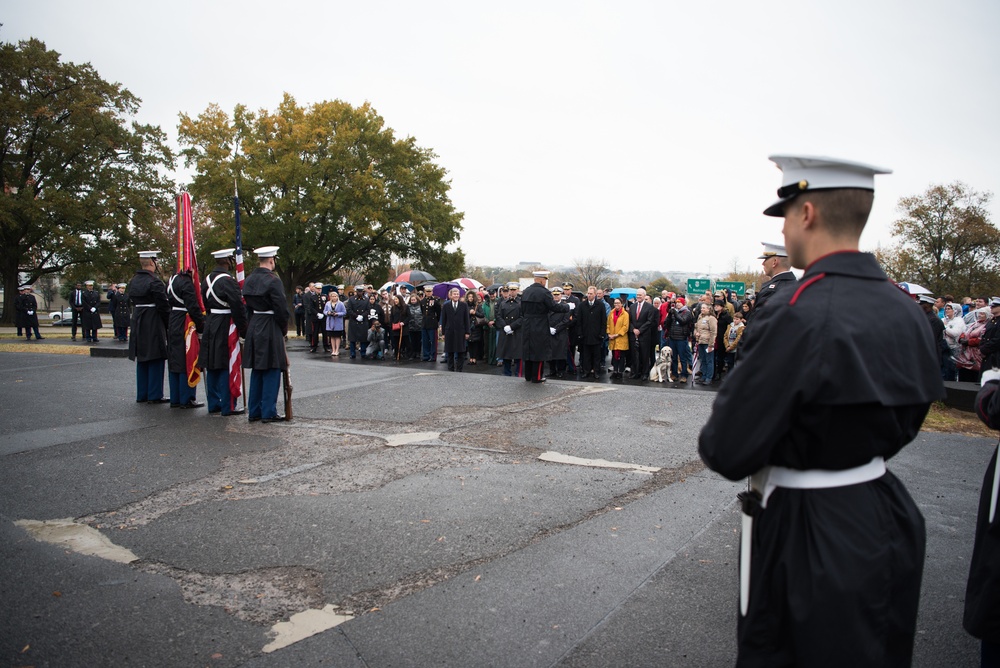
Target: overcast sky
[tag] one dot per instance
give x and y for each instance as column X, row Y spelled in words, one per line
column 637, row 132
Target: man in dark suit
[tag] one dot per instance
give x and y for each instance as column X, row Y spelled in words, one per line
column 456, row 325
column 643, row 322
column 593, row 326
column 76, row 303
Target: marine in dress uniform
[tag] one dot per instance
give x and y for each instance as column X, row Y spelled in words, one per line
column 779, row 272
column 357, row 325
column 147, row 341
column 26, row 312
column 574, row 336
column 982, row 594
column 833, row 546
column 267, row 325
column 536, row 338
column 91, row 314
column 183, row 298
column 508, row 324
column 120, row 312
column 224, row 311
column 559, row 325
column 990, row 345
column 311, row 309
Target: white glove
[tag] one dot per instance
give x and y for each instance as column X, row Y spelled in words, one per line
column 31, row 313
column 572, row 306
column 552, row 331
column 361, row 318
column 991, row 374
column 319, row 316
column 507, row 329
column 93, row 310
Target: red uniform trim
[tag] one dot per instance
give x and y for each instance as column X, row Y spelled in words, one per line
column 805, row 285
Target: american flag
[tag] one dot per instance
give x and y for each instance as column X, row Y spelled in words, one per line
column 235, row 350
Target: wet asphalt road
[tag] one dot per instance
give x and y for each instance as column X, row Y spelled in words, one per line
column 414, row 499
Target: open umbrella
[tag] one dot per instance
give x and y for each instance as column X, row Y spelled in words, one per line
column 414, row 276
column 913, row 288
column 441, row 290
column 468, row 283
column 495, row 287
column 622, row 292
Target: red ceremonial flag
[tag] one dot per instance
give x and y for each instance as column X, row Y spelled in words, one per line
column 186, row 260
column 235, row 349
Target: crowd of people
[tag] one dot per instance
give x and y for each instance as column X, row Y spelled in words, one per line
column 967, row 334
column 602, row 331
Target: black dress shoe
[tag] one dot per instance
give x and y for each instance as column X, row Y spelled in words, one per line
column 39, row 338
column 193, row 404
column 238, row 411
column 217, row 411
column 280, row 418
column 254, row 419
column 540, row 380
column 161, row 400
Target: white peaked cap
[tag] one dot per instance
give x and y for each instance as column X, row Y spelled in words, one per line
column 266, row 251
column 224, row 253
column 151, row 254
column 772, row 250
column 802, row 173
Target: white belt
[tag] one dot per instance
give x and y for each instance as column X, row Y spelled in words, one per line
column 770, row 478
column 178, row 308
column 220, row 311
column 145, row 305
column 263, row 312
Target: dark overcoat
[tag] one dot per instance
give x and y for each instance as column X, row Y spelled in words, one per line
column 830, row 388
column 267, row 321
column 26, row 311
column 183, row 302
column 220, row 292
column 91, row 315
column 357, row 331
column 593, row 321
column 121, row 313
column 455, row 325
column 508, row 313
column 982, row 594
column 147, row 337
column 536, row 304
column 560, row 322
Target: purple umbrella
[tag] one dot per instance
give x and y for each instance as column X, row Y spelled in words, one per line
column 441, row 290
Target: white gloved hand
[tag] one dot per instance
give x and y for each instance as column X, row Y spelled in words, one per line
column 991, row 374
column 572, row 306
column 319, row 316
column 31, row 313
column 507, row 329
column 552, row 331
column 361, row 318
column 93, row 310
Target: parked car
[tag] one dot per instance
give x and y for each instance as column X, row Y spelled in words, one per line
column 64, row 317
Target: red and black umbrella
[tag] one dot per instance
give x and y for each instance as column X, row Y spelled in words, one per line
column 414, row 277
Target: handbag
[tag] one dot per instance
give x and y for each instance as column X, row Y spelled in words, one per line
column 397, row 326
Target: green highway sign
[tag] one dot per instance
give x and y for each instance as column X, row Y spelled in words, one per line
column 698, row 285
column 737, row 287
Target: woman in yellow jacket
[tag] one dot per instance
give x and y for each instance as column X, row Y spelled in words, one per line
column 618, row 338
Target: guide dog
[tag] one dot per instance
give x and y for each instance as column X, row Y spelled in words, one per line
column 661, row 370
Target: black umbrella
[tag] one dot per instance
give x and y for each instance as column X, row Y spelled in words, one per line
column 495, row 287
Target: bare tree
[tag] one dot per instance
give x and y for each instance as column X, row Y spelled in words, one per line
column 592, row 271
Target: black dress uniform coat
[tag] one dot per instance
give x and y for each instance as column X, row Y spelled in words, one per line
column 220, row 292
column 982, row 594
column 147, row 339
column 536, row 340
column 120, row 311
column 26, row 311
column 508, row 313
column 265, row 344
column 830, row 388
column 560, row 322
column 91, row 315
column 181, row 294
column 357, row 331
column 775, row 284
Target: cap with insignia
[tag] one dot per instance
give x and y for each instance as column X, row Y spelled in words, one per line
column 567, row 286
column 772, row 250
column 514, row 285
column 122, row 285
column 266, row 251
column 88, row 282
column 541, row 273
column 801, row 173
column 926, row 299
column 994, row 301
column 224, row 253
column 359, row 287
column 557, row 290
column 149, row 254
column 26, row 286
